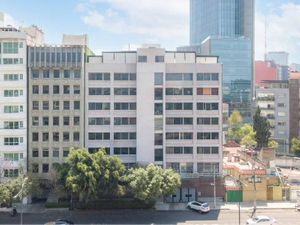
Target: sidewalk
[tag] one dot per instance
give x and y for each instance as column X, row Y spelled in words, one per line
column 227, row 206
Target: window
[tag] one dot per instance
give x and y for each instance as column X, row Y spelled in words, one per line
column 179, row 121
column 208, row 76
column 13, row 109
column 76, row 105
column 12, row 156
column 55, row 105
column 55, row 152
column 179, row 106
column 124, row 121
column 66, row 74
column 13, row 124
column 99, row 121
column 45, row 105
column 66, row 89
column 56, row 74
column 158, row 154
column 158, row 78
column 208, row 150
column 35, row 121
column 207, row 135
column 46, row 74
column 66, row 105
column 125, row 151
column 207, row 91
column 99, row 136
column 142, row 58
column 280, row 104
column 35, row 74
column 179, row 77
column 45, row 152
column 76, row 137
column 56, row 89
column 55, row 121
column 55, row 136
column 125, row 106
column 10, row 47
column 45, row 121
column 179, row 91
column 13, row 77
column 158, row 94
column 159, row 58
column 124, row 76
column 207, row 106
column 76, row 89
column 66, row 121
column 13, row 93
column 99, row 76
column 124, row 136
column 66, row 136
column 45, row 168
column 35, row 89
column 35, row 152
column 125, row 91
column 158, row 139
column 35, row 168
column 208, row 121
column 99, row 106
column 158, row 109
column 179, row 135
column 35, row 105
column 76, row 121
column 99, row 91
column 13, row 140
column 65, row 152
column 77, row 74
column 208, row 168
column 35, row 137
column 179, row 150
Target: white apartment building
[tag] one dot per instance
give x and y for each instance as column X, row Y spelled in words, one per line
column 13, row 102
column 156, row 106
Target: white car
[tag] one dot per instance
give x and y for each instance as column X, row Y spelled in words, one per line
column 202, row 207
column 263, row 220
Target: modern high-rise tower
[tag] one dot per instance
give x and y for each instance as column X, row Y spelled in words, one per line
column 225, row 28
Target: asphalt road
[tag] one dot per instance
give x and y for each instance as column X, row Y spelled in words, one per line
column 229, row 217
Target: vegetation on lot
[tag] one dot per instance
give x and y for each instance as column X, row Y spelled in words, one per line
column 296, row 146
column 94, row 176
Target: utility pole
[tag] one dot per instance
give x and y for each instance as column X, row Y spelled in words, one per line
column 215, row 200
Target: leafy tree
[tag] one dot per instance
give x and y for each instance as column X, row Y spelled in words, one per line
column 273, row 144
column 296, row 146
column 88, row 175
column 248, row 136
column 235, row 122
column 152, row 182
column 249, row 141
column 261, row 127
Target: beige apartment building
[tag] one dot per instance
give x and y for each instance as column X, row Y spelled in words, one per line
column 55, row 103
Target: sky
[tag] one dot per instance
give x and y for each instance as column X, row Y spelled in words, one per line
column 120, row 24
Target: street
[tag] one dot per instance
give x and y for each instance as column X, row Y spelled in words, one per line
column 229, row 217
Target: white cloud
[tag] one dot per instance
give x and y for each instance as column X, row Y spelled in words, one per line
column 9, row 20
column 283, row 31
column 153, row 20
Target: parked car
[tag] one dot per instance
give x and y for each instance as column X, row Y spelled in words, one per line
column 60, row 222
column 261, row 220
column 202, row 207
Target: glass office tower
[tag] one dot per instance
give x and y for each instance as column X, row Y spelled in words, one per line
column 226, row 28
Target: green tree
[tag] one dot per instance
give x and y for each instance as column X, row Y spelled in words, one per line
column 235, row 122
column 152, row 182
column 296, row 146
column 261, row 127
column 273, row 144
column 88, row 175
column 248, row 136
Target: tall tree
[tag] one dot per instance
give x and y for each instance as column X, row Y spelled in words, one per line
column 296, row 146
column 235, row 122
column 261, row 126
column 152, row 182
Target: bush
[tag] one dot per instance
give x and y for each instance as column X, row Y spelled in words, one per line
column 57, row 205
column 113, row 204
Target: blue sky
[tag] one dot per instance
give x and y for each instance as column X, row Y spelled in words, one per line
column 114, row 24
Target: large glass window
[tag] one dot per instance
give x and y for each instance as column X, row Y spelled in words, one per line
column 158, row 78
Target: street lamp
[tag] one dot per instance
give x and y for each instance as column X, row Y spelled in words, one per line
column 20, row 194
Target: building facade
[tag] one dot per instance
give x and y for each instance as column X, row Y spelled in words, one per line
column 56, row 105
column 155, row 106
column 265, row 71
column 273, row 101
column 13, row 107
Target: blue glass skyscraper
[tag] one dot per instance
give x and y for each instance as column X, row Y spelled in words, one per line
column 226, row 28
